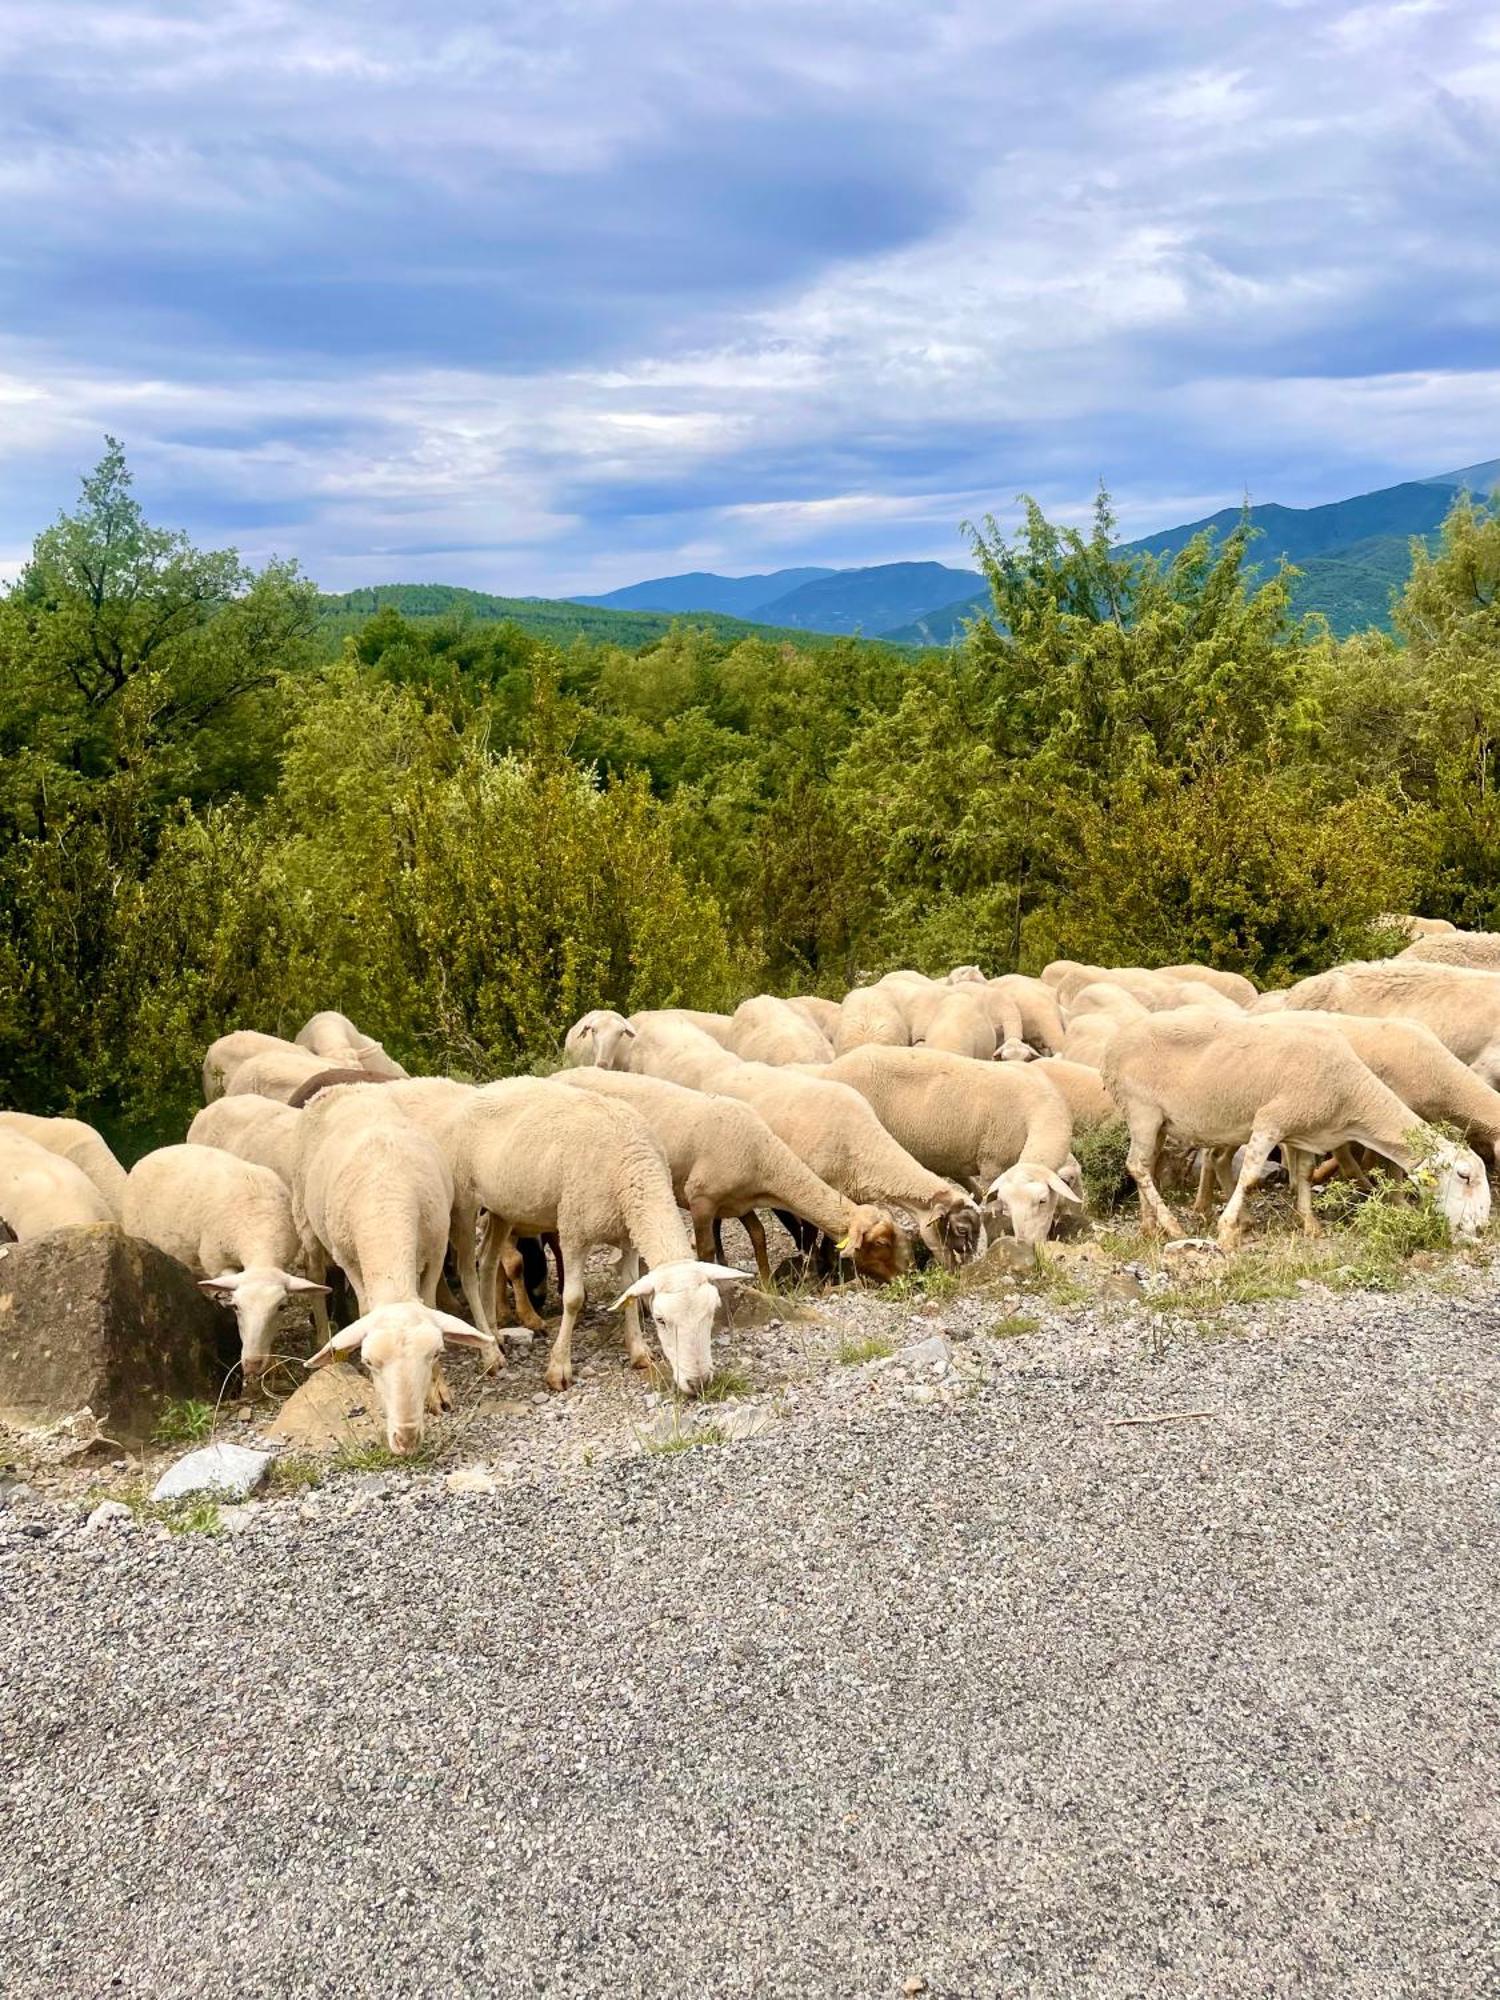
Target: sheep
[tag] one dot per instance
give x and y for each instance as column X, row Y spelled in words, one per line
column 967, row 975
column 1081, row 1088
column 596, row 1037
column 827, row 1125
column 230, row 1051
column 540, row 1157
column 230, row 1222
column 277, row 1073
column 1459, row 1004
column 1155, row 991
column 377, row 1194
column 1232, row 985
column 958, row 1023
column 264, row 1131
column 72, row 1140
column 825, row 1015
column 1004, row 1129
column 334, row 1036
column 1479, row 950
column 1265, row 1081
column 1413, row 928
column 1025, row 1012
column 41, row 1190
column 726, row 1161
column 871, row 1014
column 718, row 1027
column 1413, row 1062
column 770, row 1030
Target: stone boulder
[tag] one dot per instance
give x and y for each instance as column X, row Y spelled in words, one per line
column 89, row 1315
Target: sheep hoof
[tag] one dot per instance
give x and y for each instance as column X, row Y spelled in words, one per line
column 559, row 1379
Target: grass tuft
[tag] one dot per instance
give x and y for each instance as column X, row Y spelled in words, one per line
column 380, row 1458
column 875, row 1347
column 723, row 1384
column 1100, row 1152
column 933, row 1282
column 1014, row 1326
column 184, row 1420
column 682, row 1440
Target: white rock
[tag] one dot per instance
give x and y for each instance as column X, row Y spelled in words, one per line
column 230, row 1470
column 746, row 1420
column 932, row 1355
column 109, row 1514
column 471, row 1479
column 921, row 1392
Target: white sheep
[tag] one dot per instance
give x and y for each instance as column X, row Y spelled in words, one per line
column 276, row 1073
column 72, row 1140
column 377, row 1194
column 1081, row 1088
column 1002, row 1128
column 825, row 1015
column 230, row 1222
column 41, row 1191
column 827, row 1125
column 335, row 1037
column 1460, row 1005
column 1479, row 950
column 727, row 1162
column 765, row 1029
column 541, row 1157
column 871, row 1014
column 266, row 1132
column 956, row 1020
column 1262, row 1081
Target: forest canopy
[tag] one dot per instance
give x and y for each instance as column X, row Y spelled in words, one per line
column 464, row 834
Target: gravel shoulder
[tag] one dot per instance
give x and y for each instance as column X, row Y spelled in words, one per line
column 945, row 1676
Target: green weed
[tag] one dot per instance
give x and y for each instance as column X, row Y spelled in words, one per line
column 874, row 1347
column 184, row 1420
column 724, row 1383
column 1014, row 1326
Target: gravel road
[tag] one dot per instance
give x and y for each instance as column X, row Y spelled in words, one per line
column 994, row 1696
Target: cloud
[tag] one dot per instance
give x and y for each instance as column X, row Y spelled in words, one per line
column 541, row 297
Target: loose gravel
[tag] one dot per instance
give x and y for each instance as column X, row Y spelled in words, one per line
column 946, row 1682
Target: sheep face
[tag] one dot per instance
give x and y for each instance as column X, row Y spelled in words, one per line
column 601, row 1038
column 684, row 1298
column 879, row 1249
column 1463, row 1189
column 401, row 1345
column 953, row 1230
column 1029, row 1195
column 257, row 1295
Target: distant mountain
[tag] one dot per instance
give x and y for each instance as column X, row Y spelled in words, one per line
column 868, row 600
column 1352, row 553
column 701, row 590
column 562, row 619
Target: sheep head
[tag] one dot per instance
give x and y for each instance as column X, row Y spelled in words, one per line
column 1461, row 1187
column 601, row 1038
column 257, row 1295
column 1029, row 1194
column 684, row 1298
column 953, row 1229
column 401, row 1345
column 878, row 1247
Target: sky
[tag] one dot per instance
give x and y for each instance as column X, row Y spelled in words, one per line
column 549, row 297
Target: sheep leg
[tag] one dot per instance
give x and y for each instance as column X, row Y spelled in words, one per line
column 1256, row 1154
column 439, row 1395
column 1145, row 1134
column 514, row 1265
column 560, row 1360
column 702, row 1218
column 496, row 1296
column 1203, row 1201
column 755, row 1229
column 1301, row 1164
column 636, row 1350
column 1350, row 1167
column 553, row 1242
column 465, row 1249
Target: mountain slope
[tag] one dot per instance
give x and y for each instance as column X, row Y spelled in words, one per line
column 702, row 590
column 868, row 600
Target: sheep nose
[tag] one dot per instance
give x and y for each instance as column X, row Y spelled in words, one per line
column 405, row 1439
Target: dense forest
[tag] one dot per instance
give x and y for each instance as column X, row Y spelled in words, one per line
column 463, row 833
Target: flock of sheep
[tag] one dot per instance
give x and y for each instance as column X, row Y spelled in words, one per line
column 882, row 1129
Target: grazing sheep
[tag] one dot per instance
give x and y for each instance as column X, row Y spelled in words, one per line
column 72, row 1140
column 266, row 1132
column 825, row 1015
column 1232, row 985
column 871, row 1014
column 377, row 1194
column 333, row 1036
column 726, row 1161
column 1479, row 950
column 1416, row 927
column 1000, row 1127
column 773, row 1031
column 541, row 1157
column 718, row 1027
column 277, row 1073
column 1025, row 1012
column 1459, row 1004
column 1081, row 1088
column 230, row 1222
column 966, row 975
column 40, row 1190
column 1411, row 1060
column 1089, row 1035
column 956, row 1020
column 1211, row 1080
column 828, row 1126
column 231, row 1051
column 1155, row 991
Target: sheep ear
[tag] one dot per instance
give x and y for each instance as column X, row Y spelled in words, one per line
column 224, row 1286
column 342, row 1343
column 296, row 1284
column 641, row 1289
column 1060, row 1188
column 459, row 1333
column 717, row 1274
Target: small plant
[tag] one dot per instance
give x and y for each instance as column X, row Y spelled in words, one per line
column 1014, row 1326
column 931, row 1283
column 297, row 1475
column 380, row 1458
column 199, row 1516
column 723, row 1384
column 1057, row 1284
column 1101, row 1152
column 874, row 1347
column 184, row 1420
column 682, row 1440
